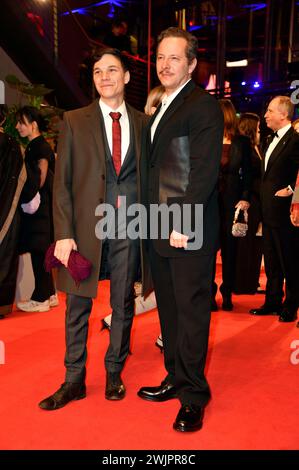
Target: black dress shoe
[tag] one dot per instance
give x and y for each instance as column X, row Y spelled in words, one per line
column 264, row 310
column 189, row 418
column 115, row 389
column 165, row 391
column 287, row 316
column 68, row 391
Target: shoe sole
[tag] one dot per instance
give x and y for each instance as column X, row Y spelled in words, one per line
column 181, row 428
column 115, row 398
column 80, row 397
column 37, row 310
column 155, row 399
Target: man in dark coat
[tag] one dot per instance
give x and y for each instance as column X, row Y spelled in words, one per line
column 88, row 175
column 184, row 143
column 280, row 237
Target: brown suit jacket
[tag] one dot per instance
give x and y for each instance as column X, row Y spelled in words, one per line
column 80, row 186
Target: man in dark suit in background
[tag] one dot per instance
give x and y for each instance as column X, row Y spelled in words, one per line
column 98, row 160
column 280, row 238
column 184, row 143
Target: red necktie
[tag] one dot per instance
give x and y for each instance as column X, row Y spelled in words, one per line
column 116, row 141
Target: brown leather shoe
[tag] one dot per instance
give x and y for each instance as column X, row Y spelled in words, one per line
column 115, row 389
column 189, row 418
column 68, row 391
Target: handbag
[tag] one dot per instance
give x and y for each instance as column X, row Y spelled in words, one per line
column 79, row 267
column 239, row 229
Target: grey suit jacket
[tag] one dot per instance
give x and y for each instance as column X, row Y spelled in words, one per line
column 80, row 186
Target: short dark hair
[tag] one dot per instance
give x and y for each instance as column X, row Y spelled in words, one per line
column 192, row 43
column 116, row 53
column 32, row 114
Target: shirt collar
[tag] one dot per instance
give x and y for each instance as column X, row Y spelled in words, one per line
column 167, row 99
column 106, row 109
column 283, row 130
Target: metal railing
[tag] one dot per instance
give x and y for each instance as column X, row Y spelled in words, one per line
column 57, row 31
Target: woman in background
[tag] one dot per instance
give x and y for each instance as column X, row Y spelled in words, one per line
column 234, row 186
column 249, row 248
column 153, row 100
column 141, row 304
column 295, row 124
column 37, row 224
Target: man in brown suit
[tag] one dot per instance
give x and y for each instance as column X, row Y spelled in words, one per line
column 87, row 176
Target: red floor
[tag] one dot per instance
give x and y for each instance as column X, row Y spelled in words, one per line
column 253, row 382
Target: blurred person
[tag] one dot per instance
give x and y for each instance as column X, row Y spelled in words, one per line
column 154, row 99
column 295, row 125
column 295, row 204
column 141, row 304
column 234, row 185
column 280, row 237
column 12, row 179
column 117, row 37
column 249, row 248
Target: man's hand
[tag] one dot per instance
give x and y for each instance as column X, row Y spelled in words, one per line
column 295, row 215
column 285, row 192
column 63, row 250
column 178, row 240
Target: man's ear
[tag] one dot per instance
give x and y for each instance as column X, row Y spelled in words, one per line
column 192, row 65
column 127, row 77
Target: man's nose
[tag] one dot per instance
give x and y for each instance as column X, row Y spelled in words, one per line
column 165, row 63
column 105, row 75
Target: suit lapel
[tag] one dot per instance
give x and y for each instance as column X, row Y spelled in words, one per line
column 278, row 149
column 176, row 103
column 135, row 132
column 96, row 127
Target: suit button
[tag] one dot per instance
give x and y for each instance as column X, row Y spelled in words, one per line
column 103, row 177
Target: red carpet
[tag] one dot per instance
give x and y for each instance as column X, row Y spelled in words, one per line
column 254, row 385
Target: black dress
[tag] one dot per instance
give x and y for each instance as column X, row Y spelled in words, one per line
column 234, row 184
column 37, row 229
column 249, row 248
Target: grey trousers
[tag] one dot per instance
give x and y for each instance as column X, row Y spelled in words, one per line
column 123, row 260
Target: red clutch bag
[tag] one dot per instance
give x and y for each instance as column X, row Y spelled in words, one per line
column 78, row 266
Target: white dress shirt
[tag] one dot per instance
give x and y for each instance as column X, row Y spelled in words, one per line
column 281, row 132
column 124, row 125
column 165, row 103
